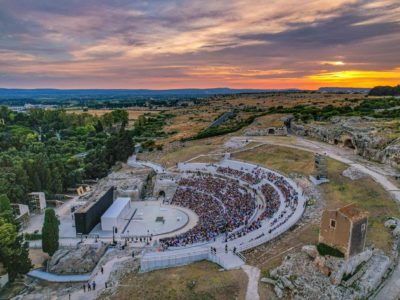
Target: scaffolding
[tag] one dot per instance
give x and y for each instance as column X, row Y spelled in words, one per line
column 37, row 201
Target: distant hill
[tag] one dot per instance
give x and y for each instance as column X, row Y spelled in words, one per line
column 43, row 93
column 385, row 91
column 343, row 90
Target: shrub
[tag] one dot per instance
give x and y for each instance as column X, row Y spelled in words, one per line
column 32, row 236
column 324, row 250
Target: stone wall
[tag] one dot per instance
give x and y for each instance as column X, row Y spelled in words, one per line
column 278, row 131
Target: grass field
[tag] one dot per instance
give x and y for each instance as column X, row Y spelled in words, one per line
column 284, row 159
column 201, row 280
column 340, row 191
column 170, row 156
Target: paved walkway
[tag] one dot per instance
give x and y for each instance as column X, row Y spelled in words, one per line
column 58, row 278
column 253, row 274
column 99, row 278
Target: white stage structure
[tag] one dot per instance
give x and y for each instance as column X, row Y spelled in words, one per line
column 117, row 215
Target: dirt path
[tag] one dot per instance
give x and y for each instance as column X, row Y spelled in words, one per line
column 253, row 274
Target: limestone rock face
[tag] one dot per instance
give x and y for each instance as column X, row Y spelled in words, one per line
column 278, row 292
column 368, row 137
column 372, row 277
column 76, row 261
column 353, row 173
column 394, row 224
column 350, row 266
column 311, row 250
column 268, row 280
column 301, row 276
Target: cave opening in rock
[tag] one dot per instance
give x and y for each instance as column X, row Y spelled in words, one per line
column 348, row 143
column 335, row 141
column 271, row 131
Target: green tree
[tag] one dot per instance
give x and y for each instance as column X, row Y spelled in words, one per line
column 14, row 252
column 50, row 232
column 4, row 203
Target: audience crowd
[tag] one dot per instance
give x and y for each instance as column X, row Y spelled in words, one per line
column 225, row 206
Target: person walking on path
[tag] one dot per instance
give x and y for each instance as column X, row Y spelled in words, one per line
column 102, row 270
column 94, row 285
column 84, row 288
column 89, row 287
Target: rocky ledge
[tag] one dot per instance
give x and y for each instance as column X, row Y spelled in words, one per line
column 377, row 140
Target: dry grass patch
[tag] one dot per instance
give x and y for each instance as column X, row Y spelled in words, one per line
column 188, row 122
column 201, row 280
column 268, row 121
column 171, row 155
column 38, row 257
column 285, row 160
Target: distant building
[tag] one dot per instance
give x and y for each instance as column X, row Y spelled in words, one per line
column 21, row 212
column 37, row 201
column 344, row 229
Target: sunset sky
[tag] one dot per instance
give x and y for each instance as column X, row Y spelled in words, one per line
column 163, row 44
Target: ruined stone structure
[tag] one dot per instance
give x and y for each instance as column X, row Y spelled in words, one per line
column 82, row 190
column 368, row 137
column 165, row 186
column 321, row 166
column 277, row 131
column 21, row 213
column 37, row 201
column 344, row 229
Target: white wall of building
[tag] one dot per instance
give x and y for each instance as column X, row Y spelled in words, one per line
column 117, row 215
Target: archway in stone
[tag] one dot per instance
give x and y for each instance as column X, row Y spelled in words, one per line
column 271, row 131
column 348, row 143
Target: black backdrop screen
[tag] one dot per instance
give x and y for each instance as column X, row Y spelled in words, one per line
column 85, row 221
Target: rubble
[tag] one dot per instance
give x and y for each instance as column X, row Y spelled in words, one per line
column 353, row 173
column 394, row 224
column 311, row 250
column 268, row 280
